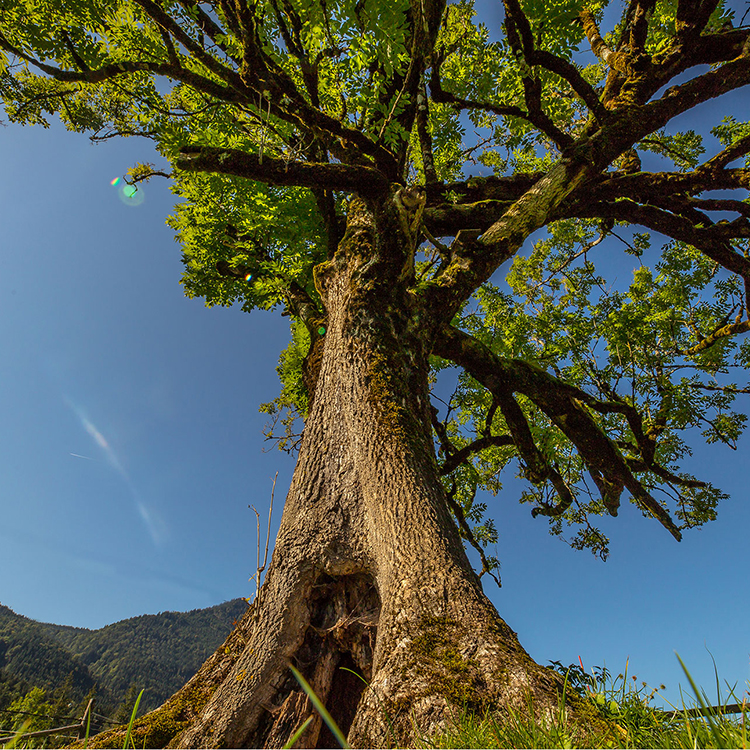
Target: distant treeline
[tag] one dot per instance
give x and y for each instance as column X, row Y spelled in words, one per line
column 65, row 666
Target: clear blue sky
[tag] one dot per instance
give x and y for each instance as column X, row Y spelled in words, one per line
column 131, row 446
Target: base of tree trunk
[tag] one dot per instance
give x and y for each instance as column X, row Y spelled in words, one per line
column 445, row 667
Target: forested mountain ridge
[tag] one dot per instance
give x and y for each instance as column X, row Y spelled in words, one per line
column 158, row 653
column 31, row 656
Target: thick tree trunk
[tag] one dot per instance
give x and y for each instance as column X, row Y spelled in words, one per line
column 368, row 572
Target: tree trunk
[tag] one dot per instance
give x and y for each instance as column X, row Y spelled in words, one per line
column 368, row 573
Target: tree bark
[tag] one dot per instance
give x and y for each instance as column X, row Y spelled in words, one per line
column 368, row 573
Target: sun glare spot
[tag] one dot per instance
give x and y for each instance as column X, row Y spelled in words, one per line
column 130, row 195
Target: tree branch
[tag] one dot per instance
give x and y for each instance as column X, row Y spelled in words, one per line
column 565, row 407
column 598, row 47
column 440, row 95
column 113, row 70
column 302, row 305
column 364, row 181
column 261, row 76
column 733, row 329
column 73, row 52
column 570, row 73
column 636, row 30
column 718, row 204
column 475, row 258
column 636, row 120
column 713, row 241
column 165, row 21
column 454, row 460
column 212, row 30
column 692, row 17
column 728, row 155
column 649, row 187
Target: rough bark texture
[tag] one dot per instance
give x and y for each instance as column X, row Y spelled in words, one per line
column 368, row 572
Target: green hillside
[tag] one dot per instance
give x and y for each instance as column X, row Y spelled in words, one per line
column 158, row 653
column 29, row 655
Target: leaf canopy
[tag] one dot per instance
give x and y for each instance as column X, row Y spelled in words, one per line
column 270, row 114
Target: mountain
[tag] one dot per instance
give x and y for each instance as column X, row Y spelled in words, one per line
column 29, row 656
column 159, row 653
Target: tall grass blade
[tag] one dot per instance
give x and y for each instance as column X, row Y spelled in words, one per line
column 132, row 719
column 88, row 730
column 327, row 718
column 298, row 733
column 14, row 741
column 715, row 732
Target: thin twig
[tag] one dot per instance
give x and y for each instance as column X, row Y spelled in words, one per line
column 260, row 568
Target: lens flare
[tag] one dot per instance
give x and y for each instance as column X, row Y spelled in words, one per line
column 115, row 182
column 248, row 277
column 131, row 195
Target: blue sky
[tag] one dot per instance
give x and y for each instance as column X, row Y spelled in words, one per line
column 131, row 446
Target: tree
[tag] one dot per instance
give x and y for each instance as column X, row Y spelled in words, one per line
column 319, row 147
column 125, row 709
column 33, row 714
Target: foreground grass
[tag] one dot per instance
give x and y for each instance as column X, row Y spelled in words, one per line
column 627, row 706
column 634, row 722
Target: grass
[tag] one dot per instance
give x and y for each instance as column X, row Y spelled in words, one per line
column 128, row 740
column 627, row 706
column 13, row 743
column 634, row 722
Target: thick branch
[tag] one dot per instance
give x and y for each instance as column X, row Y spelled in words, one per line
column 598, row 46
column 692, row 17
column 485, row 200
column 720, row 204
column 733, row 329
column 728, row 155
column 713, row 241
column 475, row 259
column 302, row 305
column 364, row 181
column 651, row 186
column 639, row 14
column 709, row 49
column 635, row 121
column 564, row 407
